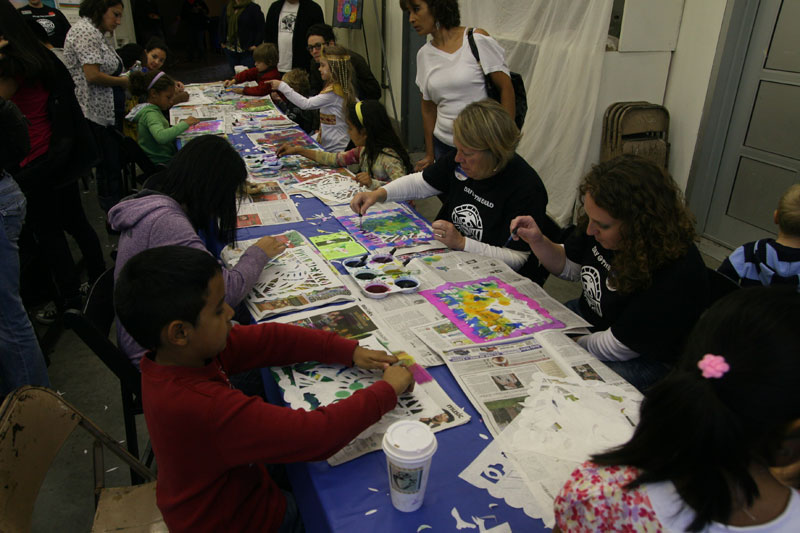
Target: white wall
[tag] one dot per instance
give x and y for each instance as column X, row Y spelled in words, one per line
column 688, row 80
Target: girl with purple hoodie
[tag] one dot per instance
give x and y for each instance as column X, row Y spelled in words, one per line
column 197, row 191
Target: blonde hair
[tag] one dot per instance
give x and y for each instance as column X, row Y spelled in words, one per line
column 486, row 125
column 789, row 211
column 266, row 53
column 342, row 72
column 297, row 79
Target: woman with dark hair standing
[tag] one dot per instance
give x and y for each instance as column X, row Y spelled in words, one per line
column 241, row 29
column 95, row 68
column 710, row 435
column 644, row 281
column 197, row 192
column 448, row 76
column 61, row 149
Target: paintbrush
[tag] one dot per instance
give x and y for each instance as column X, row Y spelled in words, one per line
column 418, row 372
column 510, row 238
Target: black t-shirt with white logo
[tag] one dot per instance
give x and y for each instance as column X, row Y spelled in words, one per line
column 483, row 209
column 653, row 321
column 52, row 20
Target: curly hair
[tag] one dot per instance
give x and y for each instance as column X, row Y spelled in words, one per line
column 656, row 228
column 445, row 12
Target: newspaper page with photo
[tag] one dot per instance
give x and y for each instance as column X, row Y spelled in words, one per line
column 496, row 378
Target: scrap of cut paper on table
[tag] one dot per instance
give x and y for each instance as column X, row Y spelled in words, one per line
column 265, row 191
column 312, row 385
column 339, row 245
column 489, row 309
column 395, row 228
column 335, row 188
column 269, row 213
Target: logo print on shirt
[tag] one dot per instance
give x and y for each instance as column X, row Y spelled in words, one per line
column 48, row 26
column 467, row 220
column 592, row 288
column 287, row 23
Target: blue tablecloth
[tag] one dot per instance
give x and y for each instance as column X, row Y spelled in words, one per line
column 336, row 498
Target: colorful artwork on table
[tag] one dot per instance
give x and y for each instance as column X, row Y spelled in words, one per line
column 297, row 279
column 489, row 309
column 253, row 106
column 275, row 138
column 206, row 127
column 390, row 228
column 332, row 189
column 351, row 322
column 337, row 245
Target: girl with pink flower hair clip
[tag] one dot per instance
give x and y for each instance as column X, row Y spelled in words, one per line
column 717, row 439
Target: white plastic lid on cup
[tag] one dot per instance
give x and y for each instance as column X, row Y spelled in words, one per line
column 239, row 68
column 409, row 441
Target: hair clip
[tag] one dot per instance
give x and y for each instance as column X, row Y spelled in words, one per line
column 713, row 366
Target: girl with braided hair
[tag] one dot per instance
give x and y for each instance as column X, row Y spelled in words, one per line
column 337, row 73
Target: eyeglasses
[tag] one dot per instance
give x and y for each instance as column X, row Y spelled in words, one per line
column 312, row 47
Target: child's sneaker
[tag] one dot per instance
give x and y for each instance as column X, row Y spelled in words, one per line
column 47, row 314
column 84, row 289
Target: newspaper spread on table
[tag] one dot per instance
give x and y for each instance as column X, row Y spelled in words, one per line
column 563, row 422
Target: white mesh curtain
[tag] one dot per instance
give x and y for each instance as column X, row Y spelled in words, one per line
column 557, row 46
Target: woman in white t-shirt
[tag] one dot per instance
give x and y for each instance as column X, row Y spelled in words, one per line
column 448, row 75
column 710, row 435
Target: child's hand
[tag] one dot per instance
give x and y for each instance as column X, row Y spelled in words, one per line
column 191, row 121
column 365, row 358
column 228, row 83
column 363, row 179
column 287, row 149
column 400, row 378
column 237, row 90
column 275, row 84
column 271, row 246
column 179, row 86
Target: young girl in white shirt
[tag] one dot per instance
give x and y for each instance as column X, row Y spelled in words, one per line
column 337, row 73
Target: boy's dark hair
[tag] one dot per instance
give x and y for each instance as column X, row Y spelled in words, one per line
column 323, row 30
column 204, row 176
column 130, row 54
column 380, row 133
column 703, row 434
column 140, row 83
column 156, row 42
column 95, row 9
column 266, row 53
column 789, row 211
column 445, row 12
column 160, row 285
column 24, row 56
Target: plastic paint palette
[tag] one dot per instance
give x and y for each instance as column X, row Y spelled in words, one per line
column 380, row 275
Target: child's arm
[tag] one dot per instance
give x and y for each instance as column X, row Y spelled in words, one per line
column 315, row 102
column 161, row 133
column 338, row 159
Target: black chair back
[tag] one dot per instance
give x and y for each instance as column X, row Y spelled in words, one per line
column 719, row 285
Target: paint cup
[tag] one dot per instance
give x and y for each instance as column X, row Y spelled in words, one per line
column 377, row 289
column 381, row 259
column 407, row 283
column 365, row 274
column 409, row 446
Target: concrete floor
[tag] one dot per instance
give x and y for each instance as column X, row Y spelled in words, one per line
column 65, row 502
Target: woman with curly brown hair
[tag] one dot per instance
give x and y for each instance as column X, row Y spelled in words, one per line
column 644, row 281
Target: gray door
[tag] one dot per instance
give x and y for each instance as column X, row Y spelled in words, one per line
column 761, row 155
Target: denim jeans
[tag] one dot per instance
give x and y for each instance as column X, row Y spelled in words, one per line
column 239, row 58
column 21, row 359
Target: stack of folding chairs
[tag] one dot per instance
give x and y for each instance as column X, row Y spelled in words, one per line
column 639, row 128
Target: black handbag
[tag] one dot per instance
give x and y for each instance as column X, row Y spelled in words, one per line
column 520, row 97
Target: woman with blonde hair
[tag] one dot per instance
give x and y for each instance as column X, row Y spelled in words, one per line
column 337, row 73
column 644, row 281
column 484, row 185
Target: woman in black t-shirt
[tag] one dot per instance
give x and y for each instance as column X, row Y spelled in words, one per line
column 483, row 186
column 644, row 281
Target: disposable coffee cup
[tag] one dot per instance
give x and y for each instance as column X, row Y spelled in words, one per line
column 409, row 446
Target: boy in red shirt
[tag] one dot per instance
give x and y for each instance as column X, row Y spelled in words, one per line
column 210, row 440
column 265, row 56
